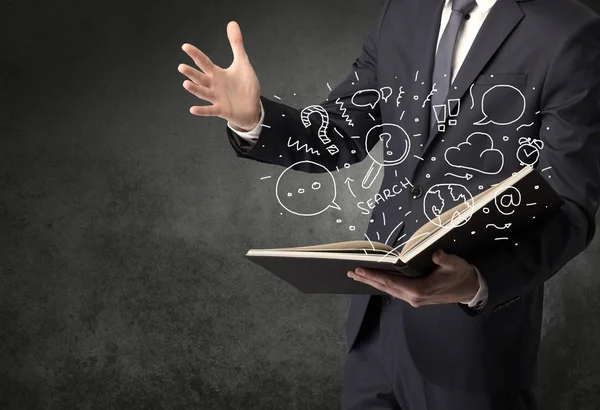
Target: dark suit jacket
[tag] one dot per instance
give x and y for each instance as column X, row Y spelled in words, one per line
column 547, row 49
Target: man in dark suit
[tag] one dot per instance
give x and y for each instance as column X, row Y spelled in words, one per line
column 479, row 89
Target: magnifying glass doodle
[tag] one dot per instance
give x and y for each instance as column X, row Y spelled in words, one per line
column 387, row 133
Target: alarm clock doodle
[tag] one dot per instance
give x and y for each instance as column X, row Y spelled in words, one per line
column 529, row 149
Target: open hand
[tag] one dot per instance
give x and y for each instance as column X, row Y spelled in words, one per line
column 234, row 92
column 454, row 280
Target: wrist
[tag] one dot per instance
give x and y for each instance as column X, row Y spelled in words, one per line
column 254, row 124
column 473, row 286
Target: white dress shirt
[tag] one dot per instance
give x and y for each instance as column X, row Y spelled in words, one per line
column 465, row 39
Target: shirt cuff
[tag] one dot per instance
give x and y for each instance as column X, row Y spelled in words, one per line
column 481, row 296
column 251, row 137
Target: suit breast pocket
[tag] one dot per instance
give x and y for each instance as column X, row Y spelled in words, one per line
column 518, row 79
column 500, row 97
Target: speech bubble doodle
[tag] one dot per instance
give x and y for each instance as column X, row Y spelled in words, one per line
column 362, row 98
column 443, row 197
column 385, row 96
column 304, row 198
column 508, row 112
column 388, row 133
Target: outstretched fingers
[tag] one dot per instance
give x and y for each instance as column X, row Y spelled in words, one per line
column 199, row 91
column 200, row 59
column 205, row 110
column 234, row 34
column 194, row 75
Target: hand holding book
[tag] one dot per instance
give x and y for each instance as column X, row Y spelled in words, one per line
column 453, row 281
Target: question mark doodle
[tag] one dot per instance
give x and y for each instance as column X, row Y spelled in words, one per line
column 385, row 132
column 387, row 136
column 317, row 109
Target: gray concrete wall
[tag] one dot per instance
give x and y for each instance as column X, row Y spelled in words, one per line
column 123, row 218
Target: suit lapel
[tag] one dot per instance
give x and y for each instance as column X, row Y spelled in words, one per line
column 500, row 22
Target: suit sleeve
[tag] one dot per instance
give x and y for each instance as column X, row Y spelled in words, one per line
column 570, row 130
column 283, row 125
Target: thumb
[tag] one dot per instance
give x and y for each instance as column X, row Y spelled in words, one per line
column 234, row 34
column 441, row 258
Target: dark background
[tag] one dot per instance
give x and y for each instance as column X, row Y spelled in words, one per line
column 124, row 219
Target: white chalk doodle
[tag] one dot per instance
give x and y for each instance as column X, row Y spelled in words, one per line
column 303, row 147
column 385, row 132
column 520, row 104
column 347, row 182
column 316, row 109
column 345, row 116
column 399, row 98
column 472, row 98
column 337, row 132
column 392, row 232
column 323, row 189
column 385, row 97
column 467, row 176
column 506, row 226
column 363, row 96
column 428, row 98
column 440, row 116
column 525, row 125
column 443, row 197
column 528, row 152
column 506, row 199
column 494, row 160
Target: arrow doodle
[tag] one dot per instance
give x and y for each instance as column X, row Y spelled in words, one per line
column 467, row 176
column 347, row 181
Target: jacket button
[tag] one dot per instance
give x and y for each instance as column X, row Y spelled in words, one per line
column 385, row 300
column 416, row 191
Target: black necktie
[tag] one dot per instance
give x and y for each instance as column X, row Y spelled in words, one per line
column 442, row 69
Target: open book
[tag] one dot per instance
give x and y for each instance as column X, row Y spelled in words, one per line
column 494, row 215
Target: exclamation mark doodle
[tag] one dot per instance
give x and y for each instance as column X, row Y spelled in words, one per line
column 452, row 113
column 440, row 116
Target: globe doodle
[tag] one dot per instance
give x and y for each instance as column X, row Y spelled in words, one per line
column 443, row 197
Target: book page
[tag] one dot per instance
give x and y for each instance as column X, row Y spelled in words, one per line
column 377, row 247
